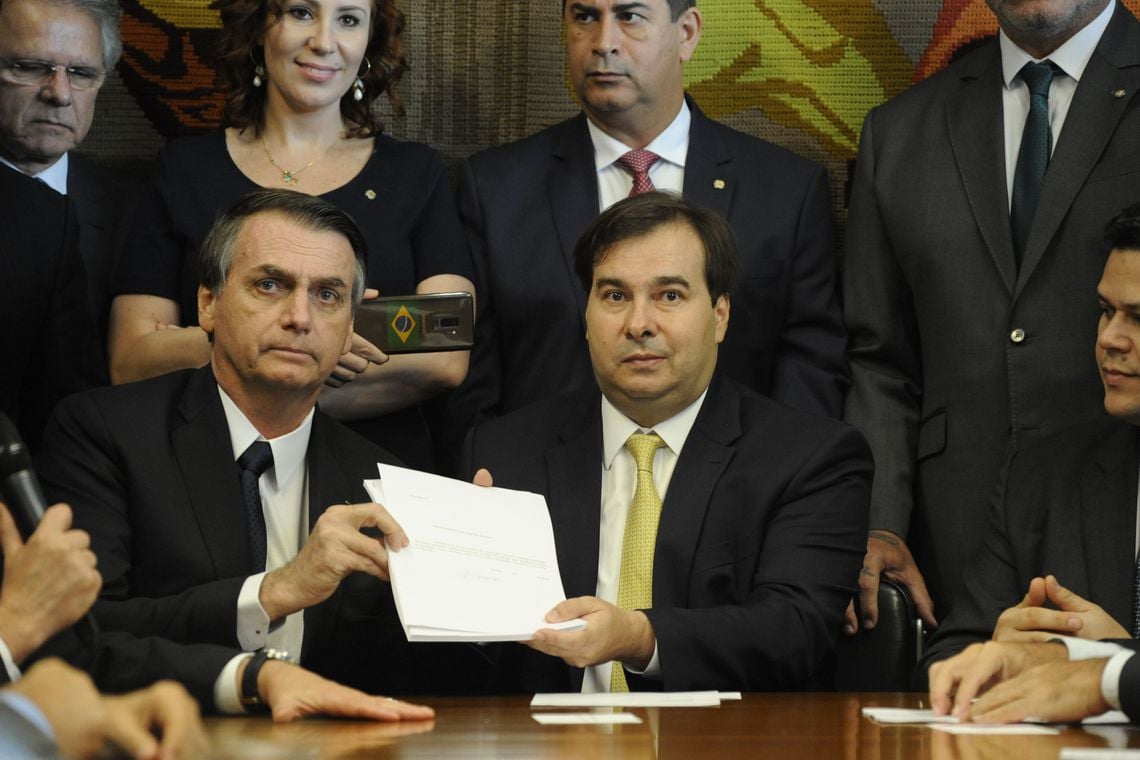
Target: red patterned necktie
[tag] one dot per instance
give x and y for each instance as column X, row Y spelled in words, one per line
column 637, row 163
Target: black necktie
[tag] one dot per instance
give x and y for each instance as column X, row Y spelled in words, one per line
column 1033, row 155
column 255, row 460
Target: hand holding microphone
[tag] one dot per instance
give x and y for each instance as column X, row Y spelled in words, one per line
column 50, row 580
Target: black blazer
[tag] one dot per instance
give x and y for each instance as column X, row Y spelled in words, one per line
column 958, row 356
column 48, row 348
column 525, row 204
column 762, row 533
column 148, row 469
column 1066, row 506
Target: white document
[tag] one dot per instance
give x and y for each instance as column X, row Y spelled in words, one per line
column 905, row 715
column 596, row 719
column 1098, row 753
column 634, row 699
column 481, row 564
column 990, row 728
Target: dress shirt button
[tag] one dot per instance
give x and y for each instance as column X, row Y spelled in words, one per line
column 1017, row 335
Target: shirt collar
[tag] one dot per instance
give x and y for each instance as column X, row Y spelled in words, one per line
column 617, row 428
column 1072, row 57
column 671, row 145
column 288, row 450
column 55, row 176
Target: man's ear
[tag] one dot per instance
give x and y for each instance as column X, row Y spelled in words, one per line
column 721, row 308
column 206, row 301
column 689, row 25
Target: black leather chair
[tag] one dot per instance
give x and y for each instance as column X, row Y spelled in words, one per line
column 883, row 658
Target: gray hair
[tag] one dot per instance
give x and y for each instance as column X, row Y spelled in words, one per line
column 220, row 246
column 106, row 14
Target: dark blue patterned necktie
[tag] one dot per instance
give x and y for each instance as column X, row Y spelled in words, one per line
column 1033, row 155
column 255, row 460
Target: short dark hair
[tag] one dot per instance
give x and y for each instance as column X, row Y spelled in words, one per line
column 642, row 214
column 244, row 21
column 220, row 246
column 1123, row 232
column 676, row 7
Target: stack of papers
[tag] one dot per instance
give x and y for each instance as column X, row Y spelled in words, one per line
column 927, row 717
column 636, row 699
column 481, row 565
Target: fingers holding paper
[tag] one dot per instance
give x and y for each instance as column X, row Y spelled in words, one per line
column 611, row 633
column 336, row 547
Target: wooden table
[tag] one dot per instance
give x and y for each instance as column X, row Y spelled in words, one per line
column 785, row 726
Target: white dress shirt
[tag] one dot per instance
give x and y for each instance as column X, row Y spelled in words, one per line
column 55, row 176
column 619, row 480
column 1071, row 58
column 672, row 145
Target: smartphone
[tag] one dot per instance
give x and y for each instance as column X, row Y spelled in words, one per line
column 418, row 323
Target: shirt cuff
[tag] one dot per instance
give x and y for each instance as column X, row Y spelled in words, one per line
column 252, row 621
column 652, row 670
column 227, row 693
column 29, row 711
column 1110, row 678
column 1084, row 649
column 10, row 666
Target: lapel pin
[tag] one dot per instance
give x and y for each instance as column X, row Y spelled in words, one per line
column 718, row 184
column 1119, row 93
column 370, row 194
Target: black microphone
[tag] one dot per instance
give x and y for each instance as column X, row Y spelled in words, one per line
column 25, row 500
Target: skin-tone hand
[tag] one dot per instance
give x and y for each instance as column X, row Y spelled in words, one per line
column 293, row 692
column 611, row 634
column 335, row 548
column 956, row 681
column 888, row 557
column 49, row 582
column 360, row 354
column 1030, row 620
column 483, row 478
column 1056, row 692
column 85, row 721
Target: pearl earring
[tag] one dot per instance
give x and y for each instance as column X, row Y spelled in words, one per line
column 258, row 73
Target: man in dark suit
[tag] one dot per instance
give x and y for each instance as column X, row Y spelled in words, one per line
column 525, row 204
column 223, row 506
column 730, row 526
column 48, row 346
column 968, row 272
column 45, row 114
column 1066, row 505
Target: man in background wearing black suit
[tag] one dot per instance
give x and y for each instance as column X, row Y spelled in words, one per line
column 1066, row 506
column 45, row 114
column 966, row 289
column 525, row 204
column 707, row 534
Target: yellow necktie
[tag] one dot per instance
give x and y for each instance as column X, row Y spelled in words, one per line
column 635, row 585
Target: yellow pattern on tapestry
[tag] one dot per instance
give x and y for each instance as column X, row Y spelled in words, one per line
column 187, row 14
column 813, row 65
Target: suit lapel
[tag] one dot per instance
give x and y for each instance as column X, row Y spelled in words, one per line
column 1090, row 124
column 1108, row 521
column 709, row 177
column 572, row 185
column 574, row 476
column 975, row 124
column 201, row 446
column 706, row 453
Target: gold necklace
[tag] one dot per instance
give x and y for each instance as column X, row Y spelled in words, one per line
column 288, row 176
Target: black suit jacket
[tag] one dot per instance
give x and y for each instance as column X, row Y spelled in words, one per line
column 524, row 206
column 48, row 348
column 148, row 469
column 104, row 202
column 758, row 549
column 1066, row 506
column 957, row 356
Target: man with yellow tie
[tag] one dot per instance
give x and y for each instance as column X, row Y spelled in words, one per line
column 709, row 536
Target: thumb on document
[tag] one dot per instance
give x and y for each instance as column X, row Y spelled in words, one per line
column 483, row 478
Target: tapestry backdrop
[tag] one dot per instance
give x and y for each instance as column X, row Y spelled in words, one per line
column 801, row 73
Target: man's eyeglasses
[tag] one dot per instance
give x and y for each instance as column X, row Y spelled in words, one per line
column 42, row 72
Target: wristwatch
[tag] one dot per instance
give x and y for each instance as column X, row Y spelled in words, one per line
column 250, row 699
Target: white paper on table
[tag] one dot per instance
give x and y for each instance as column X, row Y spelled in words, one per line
column 1098, row 753
column 481, row 564
column 905, row 715
column 569, row 719
column 630, row 699
column 990, row 728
